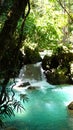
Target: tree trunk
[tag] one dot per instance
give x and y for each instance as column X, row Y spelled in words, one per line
column 7, row 44
column 9, row 28
column 9, row 51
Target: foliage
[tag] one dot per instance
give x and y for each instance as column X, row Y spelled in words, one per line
column 24, row 97
column 45, row 24
column 9, row 104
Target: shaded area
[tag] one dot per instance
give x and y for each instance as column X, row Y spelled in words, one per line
column 58, row 67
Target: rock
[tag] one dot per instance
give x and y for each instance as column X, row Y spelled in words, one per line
column 32, row 55
column 24, row 84
column 70, row 106
column 32, row 88
column 58, row 67
column 56, row 77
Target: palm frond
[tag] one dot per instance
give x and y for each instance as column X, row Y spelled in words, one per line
column 7, row 110
column 24, row 97
column 10, row 111
column 18, row 106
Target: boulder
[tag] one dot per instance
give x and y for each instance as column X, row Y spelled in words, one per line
column 58, row 67
column 70, row 106
column 32, row 55
column 56, row 76
column 24, row 84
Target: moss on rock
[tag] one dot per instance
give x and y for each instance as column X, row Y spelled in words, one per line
column 32, row 55
column 58, row 67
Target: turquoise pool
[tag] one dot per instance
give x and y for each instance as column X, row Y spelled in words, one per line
column 46, row 108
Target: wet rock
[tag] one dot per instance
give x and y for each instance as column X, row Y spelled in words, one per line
column 70, row 106
column 24, row 84
column 58, row 67
column 32, row 88
column 54, row 77
column 32, row 55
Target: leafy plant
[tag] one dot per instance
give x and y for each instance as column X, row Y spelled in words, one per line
column 24, row 97
column 8, row 103
column 17, row 105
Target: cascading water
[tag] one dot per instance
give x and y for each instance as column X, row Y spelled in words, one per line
column 47, row 105
column 32, row 73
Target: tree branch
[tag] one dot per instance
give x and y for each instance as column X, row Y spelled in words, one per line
column 65, row 9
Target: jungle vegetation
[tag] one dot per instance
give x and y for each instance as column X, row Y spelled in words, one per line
column 41, row 24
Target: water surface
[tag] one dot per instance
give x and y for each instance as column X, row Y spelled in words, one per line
column 47, row 105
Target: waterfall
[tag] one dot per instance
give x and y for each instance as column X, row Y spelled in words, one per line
column 32, row 73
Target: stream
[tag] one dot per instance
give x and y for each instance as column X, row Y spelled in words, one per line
column 46, row 108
